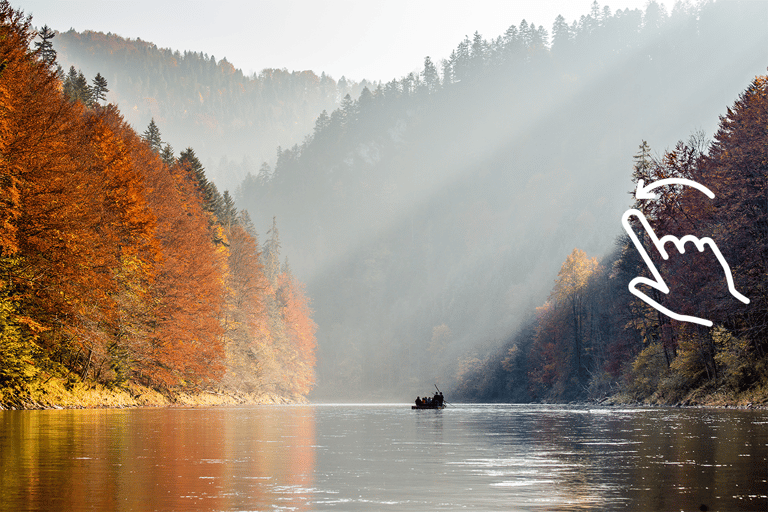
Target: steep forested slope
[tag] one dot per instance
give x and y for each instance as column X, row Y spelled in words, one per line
column 119, row 267
column 432, row 213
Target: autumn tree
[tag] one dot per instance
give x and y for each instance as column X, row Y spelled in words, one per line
column 569, row 292
column 115, row 264
column 79, row 211
column 300, row 330
column 246, row 322
column 736, row 167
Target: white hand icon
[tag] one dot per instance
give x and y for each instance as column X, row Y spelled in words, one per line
column 657, row 282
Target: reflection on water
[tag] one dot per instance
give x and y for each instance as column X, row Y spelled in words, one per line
column 157, row 459
column 344, row 457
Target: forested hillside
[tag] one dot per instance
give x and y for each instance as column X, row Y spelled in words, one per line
column 592, row 338
column 432, row 213
column 233, row 121
column 121, row 267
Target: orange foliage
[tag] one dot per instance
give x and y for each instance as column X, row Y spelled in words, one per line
column 114, row 264
column 300, row 329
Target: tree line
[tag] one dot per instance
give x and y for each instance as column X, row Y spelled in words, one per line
column 121, row 262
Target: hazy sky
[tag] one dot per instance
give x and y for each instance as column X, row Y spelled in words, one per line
column 376, row 40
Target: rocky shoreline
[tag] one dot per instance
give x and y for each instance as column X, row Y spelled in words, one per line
column 715, row 401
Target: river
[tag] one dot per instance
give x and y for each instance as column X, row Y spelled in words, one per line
column 384, row 457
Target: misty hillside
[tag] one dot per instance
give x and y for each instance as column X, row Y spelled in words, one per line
column 431, row 214
column 233, row 121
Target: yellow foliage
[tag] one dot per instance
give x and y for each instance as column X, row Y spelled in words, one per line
column 648, row 368
column 573, row 275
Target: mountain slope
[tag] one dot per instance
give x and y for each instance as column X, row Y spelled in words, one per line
column 203, row 103
column 430, row 216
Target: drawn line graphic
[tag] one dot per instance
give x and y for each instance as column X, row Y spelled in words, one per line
column 657, row 282
column 645, row 192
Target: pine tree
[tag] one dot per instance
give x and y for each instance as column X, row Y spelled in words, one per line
column 44, row 48
column 76, row 86
column 321, row 123
column 431, row 77
column 348, row 110
column 643, row 168
column 99, row 88
column 447, row 72
column 271, row 254
column 561, row 35
column 265, row 173
column 229, row 212
column 82, row 89
column 167, row 155
column 212, row 200
column 152, row 136
column 478, row 53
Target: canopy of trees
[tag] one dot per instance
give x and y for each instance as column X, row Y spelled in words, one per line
column 118, row 265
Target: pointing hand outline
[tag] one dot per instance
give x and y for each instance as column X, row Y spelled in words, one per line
column 657, row 282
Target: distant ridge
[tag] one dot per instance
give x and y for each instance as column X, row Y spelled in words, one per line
column 203, row 103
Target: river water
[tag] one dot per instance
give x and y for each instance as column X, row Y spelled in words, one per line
column 384, row 457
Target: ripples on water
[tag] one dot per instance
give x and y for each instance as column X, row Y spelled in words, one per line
column 384, row 457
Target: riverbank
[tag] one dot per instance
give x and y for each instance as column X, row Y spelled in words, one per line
column 756, row 398
column 57, row 394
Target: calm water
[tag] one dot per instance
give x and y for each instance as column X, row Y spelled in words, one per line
column 341, row 457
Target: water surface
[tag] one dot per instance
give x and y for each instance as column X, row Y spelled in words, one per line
column 384, row 457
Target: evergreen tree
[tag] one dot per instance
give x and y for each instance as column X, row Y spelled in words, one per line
column 561, row 35
column 526, row 37
column 167, row 155
column 76, row 87
column 271, row 254
column 286, row 269
column 99, row 88
column 447, row 72
column 212, row 200
column 431, row 77
column 244, row 220
column 44, row 47
column 152, row 136
column 348, row 110
column 477, row 53
column 265, row 172
column 460, row 60
column 229, row 212
column 321, row 123
column 643, row 167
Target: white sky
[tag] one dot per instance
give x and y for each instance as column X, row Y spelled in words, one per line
column 376, row 40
